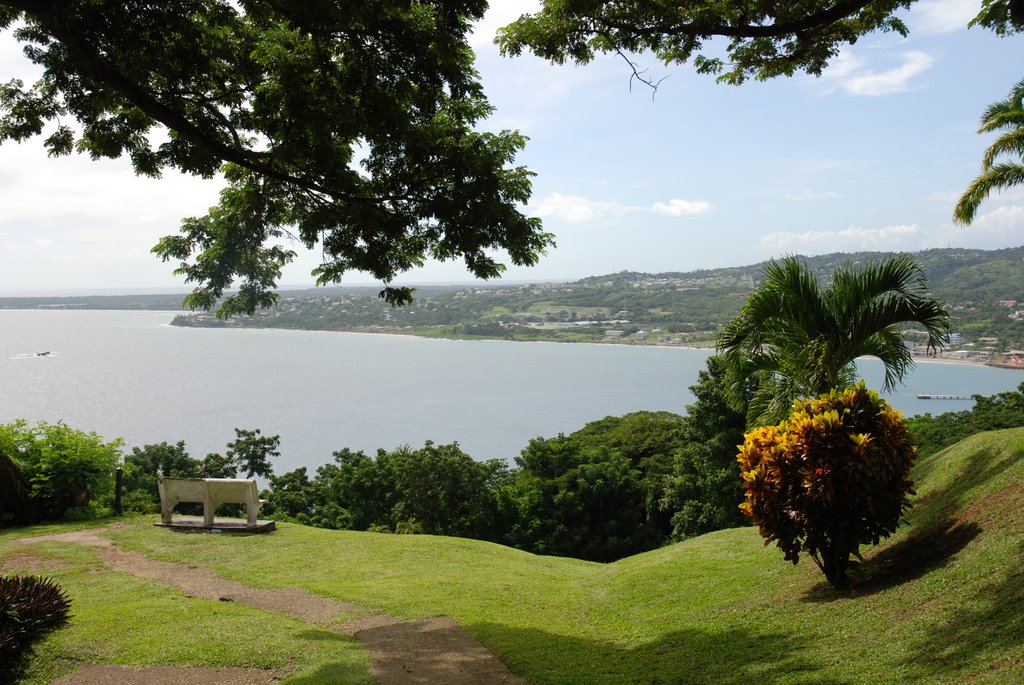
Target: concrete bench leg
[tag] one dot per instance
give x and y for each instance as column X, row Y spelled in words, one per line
column 251, row 509
column 208, row 510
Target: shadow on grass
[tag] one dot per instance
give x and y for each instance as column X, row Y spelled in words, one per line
column 686, row 656
column 986, row 465
column 986, row 634
column 332, row 674
column 920, row 552
column 944, row 524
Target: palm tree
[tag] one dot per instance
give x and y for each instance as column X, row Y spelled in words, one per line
column 1007, row 114
column 799, row 339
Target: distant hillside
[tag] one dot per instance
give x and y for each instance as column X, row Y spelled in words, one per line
column 984, row 289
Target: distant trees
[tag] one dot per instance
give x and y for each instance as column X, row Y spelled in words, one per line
column 618, row 486
column 1002, row 410
column 1006, row 115
column 832, row 477
column 440, row 487
column 703, row 490
column 250, row 452
column 802, row 339
column 573, row 500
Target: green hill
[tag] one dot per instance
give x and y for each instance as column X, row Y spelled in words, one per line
column 941, row 602
column 982, row 288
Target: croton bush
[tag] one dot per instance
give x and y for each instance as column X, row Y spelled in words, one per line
column 832, row 477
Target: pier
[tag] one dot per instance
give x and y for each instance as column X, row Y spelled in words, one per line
column 922, row 396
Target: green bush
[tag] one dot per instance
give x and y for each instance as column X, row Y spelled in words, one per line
column 15, row 506
column 30, row 607
column 65, row 468
column 832, row 477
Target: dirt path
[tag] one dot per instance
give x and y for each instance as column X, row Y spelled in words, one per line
column 433, row 651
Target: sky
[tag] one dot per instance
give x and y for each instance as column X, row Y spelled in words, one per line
column 872, row 155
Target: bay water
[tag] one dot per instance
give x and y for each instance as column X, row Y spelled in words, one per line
column 131, row 375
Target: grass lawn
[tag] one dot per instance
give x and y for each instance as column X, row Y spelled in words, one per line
column 941, row 602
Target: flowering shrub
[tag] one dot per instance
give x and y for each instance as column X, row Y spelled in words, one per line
column 832, row 477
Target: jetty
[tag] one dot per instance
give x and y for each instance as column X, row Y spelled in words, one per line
column 932, row 396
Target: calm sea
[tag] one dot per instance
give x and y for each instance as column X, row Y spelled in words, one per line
column 130, row 375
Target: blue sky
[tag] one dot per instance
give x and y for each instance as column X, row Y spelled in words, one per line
column 872, row 155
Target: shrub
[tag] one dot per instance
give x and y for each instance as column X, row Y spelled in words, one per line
column 14, row 493
column 30, row 607
column 567, row 500
column 832, row 477
column 65, row 467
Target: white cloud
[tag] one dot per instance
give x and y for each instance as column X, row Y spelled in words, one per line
column 896, row 80
column 942, row 16
column 897, row 237
column 812, row 195
column 677, row 207
column 1001, row 227
column 853, row 74
column 575, row 209
column 1007, row 219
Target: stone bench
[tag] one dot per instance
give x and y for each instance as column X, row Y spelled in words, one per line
column 211, row 493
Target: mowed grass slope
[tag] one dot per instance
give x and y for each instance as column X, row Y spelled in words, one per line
column 942, row 601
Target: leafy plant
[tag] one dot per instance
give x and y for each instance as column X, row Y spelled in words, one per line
column 831, row 478
column 30, row 607
column 409, row 527
column 65, row 467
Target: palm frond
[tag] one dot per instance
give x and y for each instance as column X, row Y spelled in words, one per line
column 887, row 345
column 998, row 177
column 1006, row 144
column 803, row 340
column 997, row 113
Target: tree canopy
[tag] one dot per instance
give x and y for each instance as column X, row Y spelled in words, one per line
column 765, row 38
column 349, row 127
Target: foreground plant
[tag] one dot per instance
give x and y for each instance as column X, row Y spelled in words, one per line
column 831, row 478
column 30, row 607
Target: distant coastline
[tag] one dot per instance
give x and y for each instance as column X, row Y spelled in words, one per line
column 701, row 346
